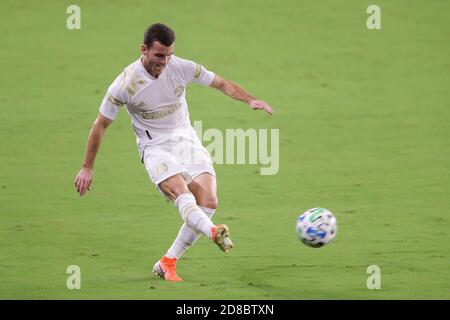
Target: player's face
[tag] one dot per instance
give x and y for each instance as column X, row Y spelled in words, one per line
column 156, row 57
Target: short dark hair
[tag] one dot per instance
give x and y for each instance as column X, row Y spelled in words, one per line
column 159, row 32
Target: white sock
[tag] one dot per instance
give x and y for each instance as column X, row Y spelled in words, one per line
column 186, row 237
column 193, row 215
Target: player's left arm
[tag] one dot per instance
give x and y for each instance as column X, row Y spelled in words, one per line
column 237, row 92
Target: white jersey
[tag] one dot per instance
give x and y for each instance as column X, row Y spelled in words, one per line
column 157, row 106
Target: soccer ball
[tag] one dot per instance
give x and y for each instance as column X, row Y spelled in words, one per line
column 316, row 227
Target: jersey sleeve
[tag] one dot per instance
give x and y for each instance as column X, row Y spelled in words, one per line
column 194, row 72
column 115, row 97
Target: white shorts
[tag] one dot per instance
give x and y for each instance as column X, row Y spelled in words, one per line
column 180, row 154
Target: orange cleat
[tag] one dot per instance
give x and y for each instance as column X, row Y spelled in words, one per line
column 166, row 269
column 221, row 237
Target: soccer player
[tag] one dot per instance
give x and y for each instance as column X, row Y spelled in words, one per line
column 153, row 90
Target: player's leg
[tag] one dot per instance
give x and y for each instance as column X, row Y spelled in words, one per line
column 203, row 187
column 196, row 222
column 176, row 189
column 196, row 159
column 166, row 172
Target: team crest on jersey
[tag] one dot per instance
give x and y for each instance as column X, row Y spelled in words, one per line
column 161, row 168
column 179, row 90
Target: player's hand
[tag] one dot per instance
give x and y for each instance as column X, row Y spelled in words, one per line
column 260, row 105
column 83, row 180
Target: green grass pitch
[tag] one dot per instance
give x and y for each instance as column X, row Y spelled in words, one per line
column 364, row 131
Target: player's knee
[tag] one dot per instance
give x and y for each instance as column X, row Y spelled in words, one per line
column 179, row 190
column 209, row 202
column 174, row 186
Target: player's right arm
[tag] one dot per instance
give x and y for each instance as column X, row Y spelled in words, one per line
column 114, row 99
column 84, row 178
